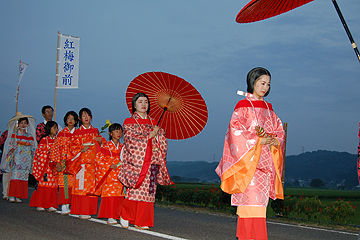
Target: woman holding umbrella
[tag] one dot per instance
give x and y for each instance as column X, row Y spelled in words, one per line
column 251, row 165
column 143, row 166
column 18, row 155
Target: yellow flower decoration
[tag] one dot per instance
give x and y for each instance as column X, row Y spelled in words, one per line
column 107, row 125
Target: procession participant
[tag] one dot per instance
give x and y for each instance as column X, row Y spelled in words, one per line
column 47, row 112
column 83, row 145
column 5, row 176
column 251, row 165
column 108, row 162
column 59, row 154
column 45, row 193
column 143, row 166
column 18, row 156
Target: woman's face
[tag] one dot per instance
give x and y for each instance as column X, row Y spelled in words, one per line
column 261, row 86
column 54, row 130
column 85, row 118
column 23, row 124
column 141, row 105
column 70, row 121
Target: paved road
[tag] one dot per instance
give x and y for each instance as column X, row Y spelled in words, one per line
column 19, row 221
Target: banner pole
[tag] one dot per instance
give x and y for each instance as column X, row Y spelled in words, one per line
column 17, row 92
column 56, row 75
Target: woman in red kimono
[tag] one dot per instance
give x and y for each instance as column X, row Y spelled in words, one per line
column 59, row 155
column 83, row 145
column 45, row 194
column 143, row 166
column 108, row 162
column 251, row 165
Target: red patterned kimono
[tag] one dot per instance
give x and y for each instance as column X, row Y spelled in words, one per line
column 111, row 190
column 59, row 154
column 143, row 167
column 85, row 170
column 251, row 172
column 45, row 195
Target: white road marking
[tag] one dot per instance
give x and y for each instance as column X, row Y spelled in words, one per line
column 313, row 228
column 131, row 228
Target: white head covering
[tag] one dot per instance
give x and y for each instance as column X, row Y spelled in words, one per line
column 12, row 128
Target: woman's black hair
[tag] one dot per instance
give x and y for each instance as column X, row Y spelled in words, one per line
column 81, row 112
column 48, row 126
column 113, row 127
column 22, row 119
column 74, row 114
column 253, row 76
column 135, row 98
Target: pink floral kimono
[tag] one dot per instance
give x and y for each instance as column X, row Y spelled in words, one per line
column 251, row 172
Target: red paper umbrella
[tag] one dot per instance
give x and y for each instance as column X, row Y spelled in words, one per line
column 257, row 10
column 183, row 109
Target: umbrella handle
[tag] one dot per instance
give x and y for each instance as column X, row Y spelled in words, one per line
column 165, row 108
column 353, row 44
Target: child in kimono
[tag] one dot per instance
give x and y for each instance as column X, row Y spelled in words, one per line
column 45, row 194
column 107, row 169
column 59, row 155
column 18, row 156
column 83, row 147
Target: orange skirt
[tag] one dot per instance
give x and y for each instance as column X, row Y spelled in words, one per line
column 137, row 212
column 251, row 228
column 109, row 206
column 18, row 189
column 61, row 199
column 44, row 197
column 84, row 205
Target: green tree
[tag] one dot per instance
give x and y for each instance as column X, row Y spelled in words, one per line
column 317, row 183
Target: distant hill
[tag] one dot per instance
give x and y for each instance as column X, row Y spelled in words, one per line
column 202, row 170
column 326, row 165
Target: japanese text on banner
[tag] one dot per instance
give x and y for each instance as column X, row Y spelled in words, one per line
column 68, row 68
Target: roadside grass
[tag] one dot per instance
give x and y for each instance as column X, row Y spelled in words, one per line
column 325, row 195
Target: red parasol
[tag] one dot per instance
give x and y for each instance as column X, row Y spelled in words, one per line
column 171, row 97
column 258, row 10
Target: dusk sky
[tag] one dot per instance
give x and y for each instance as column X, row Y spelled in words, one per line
column 315, row 81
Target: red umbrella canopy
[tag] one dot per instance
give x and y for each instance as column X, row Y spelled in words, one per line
column 258, row 10
column 186, row 114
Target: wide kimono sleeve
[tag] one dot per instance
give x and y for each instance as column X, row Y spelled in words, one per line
column 163, row 178
column 41, row 160
column 241, row 154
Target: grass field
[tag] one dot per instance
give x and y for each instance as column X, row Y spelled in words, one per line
column 325, row 195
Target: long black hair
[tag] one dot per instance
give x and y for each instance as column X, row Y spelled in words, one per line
column 113, row 127
column 74, row 114
column 135, row 98
column 253, row 76
column 48, row 126
column 81, row 112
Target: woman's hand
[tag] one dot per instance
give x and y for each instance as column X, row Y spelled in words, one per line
column 58, row 167
column 269, row 140
column 274, row 142
column 84, row 149
column 266, row 140
column 113, row 166
column 154, row 132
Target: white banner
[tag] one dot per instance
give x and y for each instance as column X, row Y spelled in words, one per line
column 68, row 62
column 23, row 67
